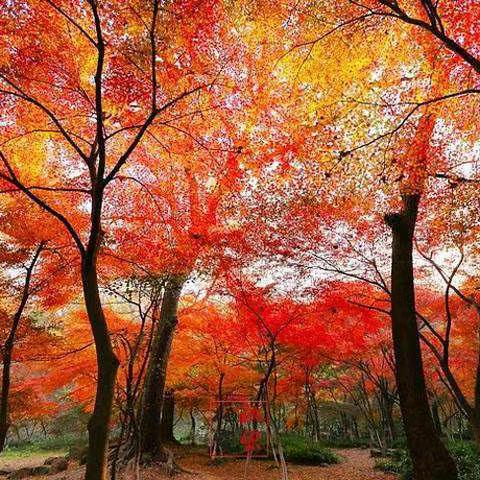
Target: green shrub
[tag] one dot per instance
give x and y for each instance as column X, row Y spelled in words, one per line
column 297, row 449
column 230, row 443
column 465, row 454
column 399, row 442
column 467, row 458
column 302, row 451
column 401, row 465
column 388, row 465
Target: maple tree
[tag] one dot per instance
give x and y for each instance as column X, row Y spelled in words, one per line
column 94, row 84
column 254, row 199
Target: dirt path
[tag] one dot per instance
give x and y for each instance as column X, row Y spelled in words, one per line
column 356, row 465
column 15, row 461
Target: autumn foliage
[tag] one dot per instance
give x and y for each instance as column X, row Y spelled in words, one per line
column 203, row 201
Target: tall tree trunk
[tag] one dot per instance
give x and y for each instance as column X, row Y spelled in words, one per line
column 7, row 350
column 431, row 460
column 219, row 416
column 153, row 393
column 386, row 404
column 391, row 423
column 107, row 366
column 4, row 423
column 436, row 416
column 168, row 414
column 475, row 415
column 193, row 425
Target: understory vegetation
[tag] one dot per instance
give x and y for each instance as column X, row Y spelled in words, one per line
column 465, row 454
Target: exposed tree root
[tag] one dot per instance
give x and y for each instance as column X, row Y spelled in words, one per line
column 129, row 461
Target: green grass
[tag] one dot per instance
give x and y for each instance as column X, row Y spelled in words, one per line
column 53, row 446
column 29, row 451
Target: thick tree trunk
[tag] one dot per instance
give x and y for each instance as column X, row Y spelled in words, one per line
column 168, row 414
column 431, row 459
column 107, row 366
column 153, row 393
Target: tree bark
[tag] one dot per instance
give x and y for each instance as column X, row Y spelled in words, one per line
column 475, row 415
column 386, row 404
column 168, row 414
column 431, row 460
column 193, row 425
column 218, row 415
column 436, row 416
column 107, row 366
column 151, row 445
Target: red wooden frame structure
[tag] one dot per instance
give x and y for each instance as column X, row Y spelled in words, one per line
column 250, row 413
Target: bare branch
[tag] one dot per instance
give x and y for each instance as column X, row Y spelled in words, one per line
column 73, row 22
column 153, row 60
column 138, row 137
column 19, row 93
column 417, row 106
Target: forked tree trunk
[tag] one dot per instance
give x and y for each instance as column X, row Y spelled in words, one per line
column 107, row 366
column 152, row 399
column 431, row 460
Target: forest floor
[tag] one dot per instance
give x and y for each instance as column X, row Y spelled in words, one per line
column 15, row 459
column 356, row 465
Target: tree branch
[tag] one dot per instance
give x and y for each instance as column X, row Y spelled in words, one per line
column 138, row 137
column 13, row 180
column 19, row 93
